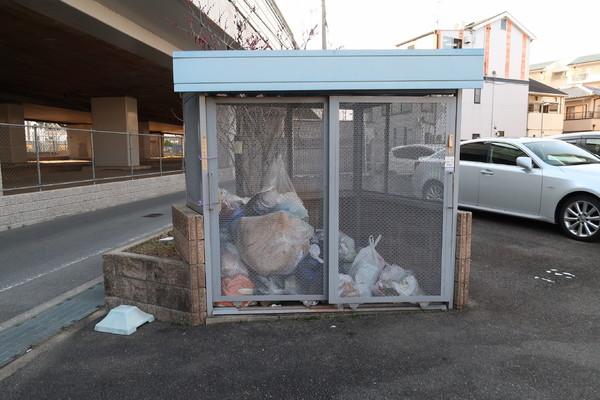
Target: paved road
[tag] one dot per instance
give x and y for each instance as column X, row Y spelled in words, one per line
column 42, row 261
column 520, row 338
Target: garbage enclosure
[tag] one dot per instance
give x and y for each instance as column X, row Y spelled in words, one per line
column 326, row 178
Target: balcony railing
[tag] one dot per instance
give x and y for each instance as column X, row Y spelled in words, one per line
column 582, row 115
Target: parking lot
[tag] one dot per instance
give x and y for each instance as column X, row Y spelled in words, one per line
column 522, row 337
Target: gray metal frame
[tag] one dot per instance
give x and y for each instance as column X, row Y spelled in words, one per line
column 211, row 217
column 449, row 204
column 209, row 175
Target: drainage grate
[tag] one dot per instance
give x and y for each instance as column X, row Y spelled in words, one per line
column 152, row 215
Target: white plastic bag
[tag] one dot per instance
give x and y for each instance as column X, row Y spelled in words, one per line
column 367, row 266
column 280, row 192
column 396, row 281
column 347, row 250
column 231, row 263
column 230, row 201
column 346, row 286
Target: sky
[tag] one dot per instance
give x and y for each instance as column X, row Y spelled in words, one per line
column 562, row 29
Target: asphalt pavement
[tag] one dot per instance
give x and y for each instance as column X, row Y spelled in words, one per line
column 530, row 332
column 42, row 261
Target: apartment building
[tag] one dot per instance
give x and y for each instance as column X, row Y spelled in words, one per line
column 500, row 107
column 545, row 110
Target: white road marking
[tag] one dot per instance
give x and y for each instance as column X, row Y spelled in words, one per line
column 80, row 259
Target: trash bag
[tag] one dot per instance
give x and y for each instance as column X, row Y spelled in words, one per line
column 269, row 285
column 367, row 266
column 347, row 250
column 273, row 243
column 237, row 285
column 309, row 272
column 396, row 281
column 263, row 202
column 277, row 194
column 345, row 268
column 231, row 263
column 346, row 286
column 276, row 285
column 229, row 201
column 229, row 225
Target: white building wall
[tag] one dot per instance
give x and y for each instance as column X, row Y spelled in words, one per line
column 503, row 108
column 516, row 55
column 497, row 52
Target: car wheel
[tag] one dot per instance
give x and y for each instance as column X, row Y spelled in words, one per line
column 433, row 190
column 579, row 218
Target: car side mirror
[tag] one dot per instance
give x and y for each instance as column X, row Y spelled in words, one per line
column 525, row 163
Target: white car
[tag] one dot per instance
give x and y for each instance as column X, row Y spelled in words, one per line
column 404, row 159
column 544, row 179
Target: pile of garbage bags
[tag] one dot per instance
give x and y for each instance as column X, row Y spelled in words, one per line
column 368, row 274
column 267, row 245
column 269, row 248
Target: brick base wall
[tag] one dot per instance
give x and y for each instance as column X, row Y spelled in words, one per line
column 171, row 290
column 30, row 208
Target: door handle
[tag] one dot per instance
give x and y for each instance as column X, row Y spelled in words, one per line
column 486, row 172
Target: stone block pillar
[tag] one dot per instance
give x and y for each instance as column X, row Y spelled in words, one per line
column 462, row 269
column 188, row 232
column 116, row 114
column 12, row 138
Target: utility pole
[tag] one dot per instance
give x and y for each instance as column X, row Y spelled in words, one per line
column 323, row 26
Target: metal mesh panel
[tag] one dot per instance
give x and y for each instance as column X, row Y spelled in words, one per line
column 392, row 184
column 271, row 177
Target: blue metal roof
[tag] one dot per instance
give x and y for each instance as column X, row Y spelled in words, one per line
column 240, row 71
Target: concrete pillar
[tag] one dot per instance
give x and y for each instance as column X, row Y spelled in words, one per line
column 117, row 114
column 12, row 138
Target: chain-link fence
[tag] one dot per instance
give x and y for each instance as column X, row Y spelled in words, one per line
column 43, row 156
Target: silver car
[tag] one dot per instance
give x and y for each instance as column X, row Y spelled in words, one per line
column 589, row 141
column 544, row 179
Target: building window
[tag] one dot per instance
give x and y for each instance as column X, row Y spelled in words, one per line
column 551, row 108
column 576, row 112
column 530, row 107
column 500, row 133
column 475, row 136
column 558, row 75
column 427, row 107
column 503, row 24
column 402, row 108
column 579, row 77
column 477, row 96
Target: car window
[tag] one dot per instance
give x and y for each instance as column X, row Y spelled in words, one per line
column 592, row 145
column 504, row 153
column 559, row 153
column 477, row 151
